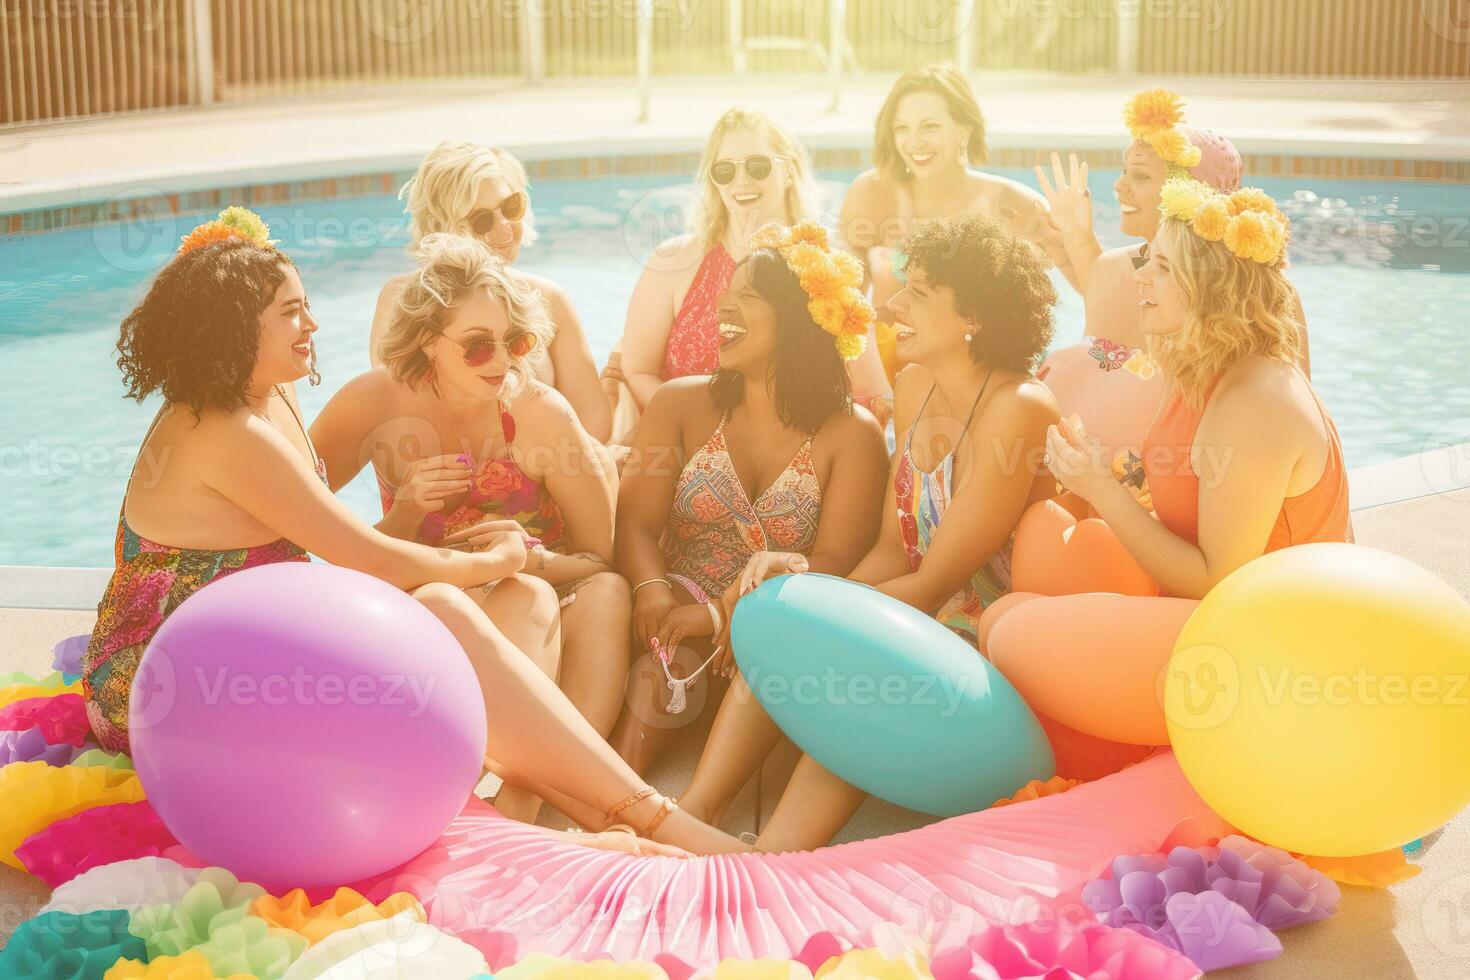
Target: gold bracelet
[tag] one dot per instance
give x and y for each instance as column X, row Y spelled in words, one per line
column 651, row 581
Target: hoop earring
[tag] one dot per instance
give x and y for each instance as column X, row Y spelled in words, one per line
column 313, row 377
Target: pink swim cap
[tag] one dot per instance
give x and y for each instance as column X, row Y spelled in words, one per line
column 1220, row 165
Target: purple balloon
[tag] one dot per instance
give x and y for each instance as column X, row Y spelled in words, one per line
column 304, row 724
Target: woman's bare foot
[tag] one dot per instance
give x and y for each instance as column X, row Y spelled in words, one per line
column 622, row 842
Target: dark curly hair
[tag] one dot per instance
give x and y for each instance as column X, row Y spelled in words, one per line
column 196, row 335
column 999, row 282
column 809, row 379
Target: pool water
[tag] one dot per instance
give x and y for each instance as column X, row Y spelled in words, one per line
column 1384, row 275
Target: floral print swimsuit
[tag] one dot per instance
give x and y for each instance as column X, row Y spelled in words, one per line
column 714, row 527
column 149, row 581
column 500, row 489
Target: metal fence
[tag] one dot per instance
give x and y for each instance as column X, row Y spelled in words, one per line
column 75, row 58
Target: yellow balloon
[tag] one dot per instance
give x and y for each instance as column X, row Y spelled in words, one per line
column 1319, row 700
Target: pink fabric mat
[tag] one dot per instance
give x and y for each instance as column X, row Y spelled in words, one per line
column 509, row 890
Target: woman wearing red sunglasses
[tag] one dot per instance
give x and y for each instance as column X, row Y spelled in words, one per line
column 466, row 443
column 751, row 173
column 482, row 191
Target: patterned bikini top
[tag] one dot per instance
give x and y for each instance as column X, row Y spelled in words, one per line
column 694, row 339
column 500, row 489
column 714, row 527
column 922, row 498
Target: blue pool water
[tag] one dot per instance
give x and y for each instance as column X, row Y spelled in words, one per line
column 1384, row 274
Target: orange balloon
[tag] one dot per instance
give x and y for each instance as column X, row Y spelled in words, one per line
column 994, row 611
column 1056, row 554
column 1081, row 756
column 1093, row 662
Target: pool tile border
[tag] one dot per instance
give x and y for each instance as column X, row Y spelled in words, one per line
column 116, row 210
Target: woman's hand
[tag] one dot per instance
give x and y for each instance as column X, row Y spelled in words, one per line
column 1070, row 200
column 1078, row 461
column 651, row 606
column 430, row 481
column 481, row 536
column 692, row 619
column 768, row 564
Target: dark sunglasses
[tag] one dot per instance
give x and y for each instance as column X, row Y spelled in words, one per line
column 513, row 208
column 757, row 167
column 1141, row 259
column 481, row 349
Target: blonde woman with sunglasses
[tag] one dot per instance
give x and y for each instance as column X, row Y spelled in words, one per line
column 751, row 173
column 482, row 191
column 466, row 444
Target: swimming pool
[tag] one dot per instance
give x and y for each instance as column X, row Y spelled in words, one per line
column 1384, row 274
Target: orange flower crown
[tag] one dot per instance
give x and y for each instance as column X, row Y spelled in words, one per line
column 1156, row 117
column 1247, row 221
column 232, row 222
column 831, row 279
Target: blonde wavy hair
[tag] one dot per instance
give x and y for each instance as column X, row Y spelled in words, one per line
column 710, row 222
column 950, row 84
column 440, row 195
column 1237, row 308
column 451, row 269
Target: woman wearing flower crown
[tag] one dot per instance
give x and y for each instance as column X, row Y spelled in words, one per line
column 929, row 134
column 223, row 333
column 1107, row 378
column 1220, row 319
column 775, row 468
column 465, row 442
column 1241, row 460
column 483, row 191
column 751, row 173
column 973, row 318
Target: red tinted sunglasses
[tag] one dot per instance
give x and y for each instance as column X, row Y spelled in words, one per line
column 481, row 349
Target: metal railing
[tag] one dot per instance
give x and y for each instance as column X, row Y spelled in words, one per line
column 62, row 59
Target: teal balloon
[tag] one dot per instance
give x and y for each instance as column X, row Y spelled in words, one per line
column 885, row 697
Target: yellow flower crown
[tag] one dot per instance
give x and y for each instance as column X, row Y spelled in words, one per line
column 1247, row 221
column 1155, row 116
column 831, row 279
column 233, row 222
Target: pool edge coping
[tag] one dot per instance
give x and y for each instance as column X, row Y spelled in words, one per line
column 1427, row 474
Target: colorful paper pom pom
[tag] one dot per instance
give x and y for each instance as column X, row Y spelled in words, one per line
column 346, row 909
column 761, row 970
column 540, row 966
column 396, row 947
column 22, row 687
column 67, row 655
column 216, row 899
column 191, row 966
column 1043, row 951
column 61, row 718
column 94, row 838
column 1278, row 890
column 31, row 746
column 1037, row 788
column 37, row 795
column 128, row 885
column 61, row 946
column 1153, row 109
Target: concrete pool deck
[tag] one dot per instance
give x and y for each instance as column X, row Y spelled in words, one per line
column 1415, row 929
column 338, row 134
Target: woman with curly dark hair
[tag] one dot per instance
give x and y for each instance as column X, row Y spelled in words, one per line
column 776, row 470
column 223, row 333
column 973, row 317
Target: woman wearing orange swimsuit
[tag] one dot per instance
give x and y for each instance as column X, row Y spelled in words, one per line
column 465, row 442
column 774, row 461
column 1243, row 459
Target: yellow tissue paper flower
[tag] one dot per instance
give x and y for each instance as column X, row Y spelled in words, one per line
column 37, row 795
column 808, row 230
column 540, row 966
column 1182, row 197
column 1252, row 199
column 1255, row 236
column 190, row 966
column 761, row 970
column 850, row 346
column 1212, row 218
column 871, row 964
